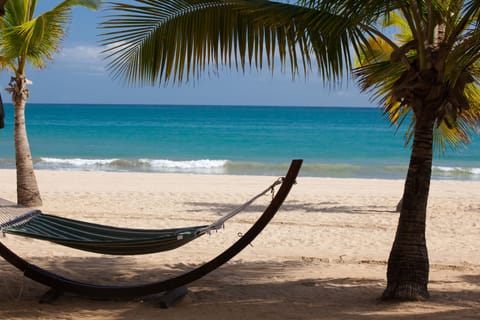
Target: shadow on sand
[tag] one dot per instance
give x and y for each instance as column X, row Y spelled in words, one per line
column 238, row 290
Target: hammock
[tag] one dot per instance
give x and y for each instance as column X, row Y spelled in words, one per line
column 111, row 240
column 59, row 284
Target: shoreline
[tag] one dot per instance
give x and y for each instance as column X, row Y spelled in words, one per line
column 323, row 255
column 440, row 172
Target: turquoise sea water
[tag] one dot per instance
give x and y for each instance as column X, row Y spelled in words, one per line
column 334, row 142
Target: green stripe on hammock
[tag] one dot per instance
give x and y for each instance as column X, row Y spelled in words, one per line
column 104, row 239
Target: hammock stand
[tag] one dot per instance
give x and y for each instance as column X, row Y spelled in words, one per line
column 175, row 285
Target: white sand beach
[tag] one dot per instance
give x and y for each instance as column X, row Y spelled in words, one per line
column 323, row 256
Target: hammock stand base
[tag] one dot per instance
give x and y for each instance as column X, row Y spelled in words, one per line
column 166, row 300
column 59, row 284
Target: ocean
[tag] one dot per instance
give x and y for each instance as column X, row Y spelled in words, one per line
column 244, row 140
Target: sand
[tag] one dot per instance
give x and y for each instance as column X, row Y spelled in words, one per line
column 322, row 257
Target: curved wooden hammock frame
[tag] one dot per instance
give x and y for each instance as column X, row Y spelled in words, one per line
column 62, row 284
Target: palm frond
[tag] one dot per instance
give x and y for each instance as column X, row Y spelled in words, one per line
column 463, row 55
column 378, row 79
column 366, row 12
column 457, row 132
column 451, row 133
column 404, row 33
column 36, row 38
column 161, row 41
column 4, row 63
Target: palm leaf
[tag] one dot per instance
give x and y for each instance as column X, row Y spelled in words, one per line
column 36, row 38
column 174, row 40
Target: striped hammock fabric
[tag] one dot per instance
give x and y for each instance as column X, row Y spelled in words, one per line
column 101, row 238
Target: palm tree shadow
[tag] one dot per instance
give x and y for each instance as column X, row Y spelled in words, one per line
column 320, row 207
column 473, row 279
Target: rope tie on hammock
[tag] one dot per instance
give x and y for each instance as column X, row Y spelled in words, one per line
column 219, row 224
column 18, row 220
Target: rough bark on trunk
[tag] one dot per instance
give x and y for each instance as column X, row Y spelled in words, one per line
column 28, row 193
column 408, row 265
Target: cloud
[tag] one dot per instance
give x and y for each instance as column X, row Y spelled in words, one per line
column 84, row 59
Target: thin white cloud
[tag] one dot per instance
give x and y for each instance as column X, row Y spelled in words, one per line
column 81, row 59
column 81, row 53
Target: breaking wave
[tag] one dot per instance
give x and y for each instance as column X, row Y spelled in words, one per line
column 116, row 164
column 220, row 166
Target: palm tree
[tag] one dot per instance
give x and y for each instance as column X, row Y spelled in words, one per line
column 24, row 38
column 430, row 77
column 446, row 133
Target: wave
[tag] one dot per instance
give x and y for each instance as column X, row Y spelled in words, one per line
column 116, row 164
column 221, row 166
column 189, row 164
column 77, row 161
column 456, row 172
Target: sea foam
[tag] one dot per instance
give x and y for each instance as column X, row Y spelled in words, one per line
column 189, row 164
column 116, row 164
column 456, row 171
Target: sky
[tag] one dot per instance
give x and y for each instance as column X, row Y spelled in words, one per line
column 78, row 75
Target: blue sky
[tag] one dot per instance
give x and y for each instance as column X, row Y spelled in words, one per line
column 78, row 75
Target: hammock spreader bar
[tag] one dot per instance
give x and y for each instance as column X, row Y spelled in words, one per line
column 62, row 284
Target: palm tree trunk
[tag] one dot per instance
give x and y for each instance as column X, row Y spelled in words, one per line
column 28, row 193
column 408, row 265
